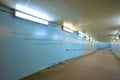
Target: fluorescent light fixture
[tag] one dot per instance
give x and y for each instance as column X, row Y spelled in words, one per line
column 29, row 17
column 68, row 25
column 80, row 35
column 87, row 37
column 90, row 38
column 117, row 38
column 33, row 12
column 68, row 30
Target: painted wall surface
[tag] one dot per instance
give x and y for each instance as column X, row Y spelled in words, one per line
column 115, row 46
column 102, row 45
column 27, row 47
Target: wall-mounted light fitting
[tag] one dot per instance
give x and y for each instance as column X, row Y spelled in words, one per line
column 67, row 29
column 28, row 14
column 80, row 35
column 117, row 38
column 29, row 17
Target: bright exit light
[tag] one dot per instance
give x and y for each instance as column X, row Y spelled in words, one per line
column 32, row 12
column 31, row 18
column 68, row 30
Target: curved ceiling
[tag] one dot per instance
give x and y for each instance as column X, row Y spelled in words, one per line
column 99, row 19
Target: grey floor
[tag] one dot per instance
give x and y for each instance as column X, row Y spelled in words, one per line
column 101, row 65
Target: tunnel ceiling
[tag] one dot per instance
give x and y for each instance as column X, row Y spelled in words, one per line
column 100, row 19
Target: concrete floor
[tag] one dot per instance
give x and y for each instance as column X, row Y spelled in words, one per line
column 102, row 65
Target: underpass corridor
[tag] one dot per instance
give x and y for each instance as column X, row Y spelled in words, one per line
column 86, row 49
column 100, row 65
